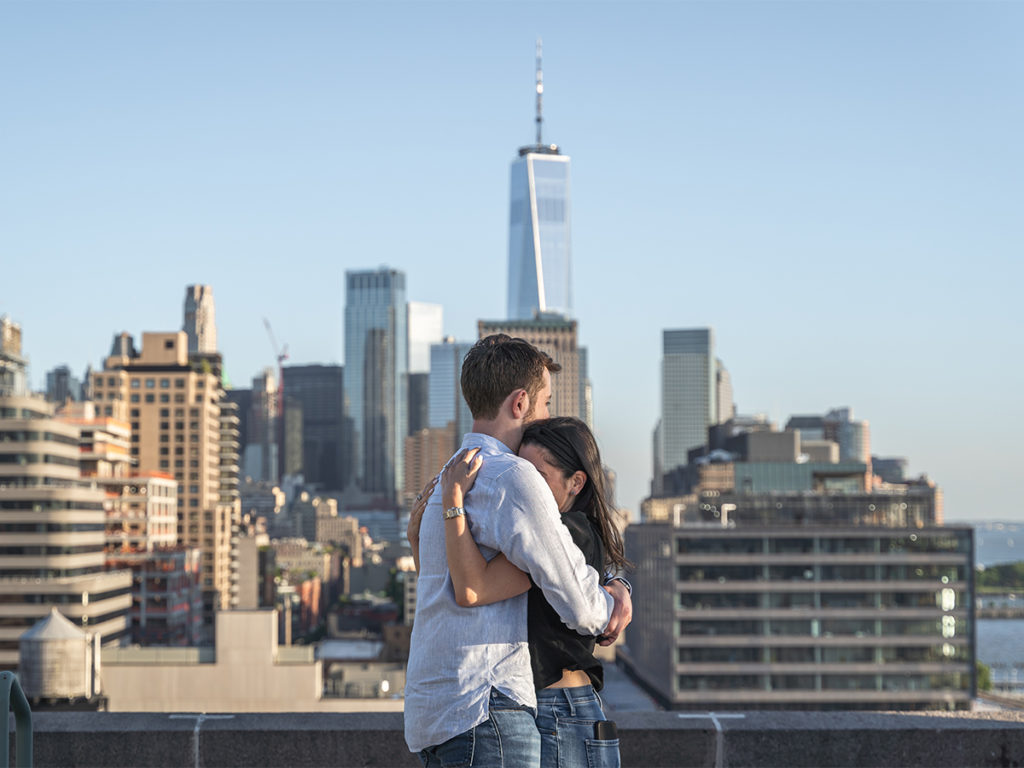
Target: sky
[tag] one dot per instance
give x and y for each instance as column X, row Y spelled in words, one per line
column 834, row 187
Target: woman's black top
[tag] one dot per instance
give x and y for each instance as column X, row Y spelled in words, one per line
column 553, row 646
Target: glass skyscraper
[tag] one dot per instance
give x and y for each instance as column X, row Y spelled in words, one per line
column 375, row 377
column 446, row 403
column 688, row 393
column 539, row 265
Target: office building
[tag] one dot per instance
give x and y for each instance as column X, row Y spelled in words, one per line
column 852, row 435
column 200, row 320
column 62, row 385
column 425, row 323
column 724, row 405
column 447, row 407
column 174, row 405
column 141, row 511
column 778, row 602
column 689, row 393
column 557, row 336
column 419, row 401
column 375, row 378
column 425, row 453
column 425, row 328
column 781, row 576
column 259, row 451
column 539, row 244
column 315, row 426
column 12, row 364
column 51, row 520
column 890, row 469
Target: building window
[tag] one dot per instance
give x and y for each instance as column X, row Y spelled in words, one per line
column 111, row 382
column 150, row 383
column 165, row 383
column 163, row 464
column 108, row 411
column 135, row 384
column 165, row 398
column 134, row 398
column 179, row 398
column 149, row 398
column 134, row 413
column 179, row 383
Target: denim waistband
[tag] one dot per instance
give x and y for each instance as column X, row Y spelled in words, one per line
column 570, row 696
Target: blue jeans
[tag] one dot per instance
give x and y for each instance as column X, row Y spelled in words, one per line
column 565, row 719
column 508, row 738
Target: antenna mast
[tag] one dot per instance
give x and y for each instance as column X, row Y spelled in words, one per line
column 540, row 92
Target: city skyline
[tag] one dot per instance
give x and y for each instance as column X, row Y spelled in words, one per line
column 831, row 188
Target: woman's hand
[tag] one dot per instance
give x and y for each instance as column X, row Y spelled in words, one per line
column 412, row 531
column 475, row 581
column 458, row 477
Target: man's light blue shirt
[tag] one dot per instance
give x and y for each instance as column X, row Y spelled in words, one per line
column 458, row 654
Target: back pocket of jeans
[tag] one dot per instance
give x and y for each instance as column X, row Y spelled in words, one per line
column 603, row 754
column 457, row 752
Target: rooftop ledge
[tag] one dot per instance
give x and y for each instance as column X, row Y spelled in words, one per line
column 649, row 739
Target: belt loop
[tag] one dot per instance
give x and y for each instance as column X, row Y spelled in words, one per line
column 569, row 701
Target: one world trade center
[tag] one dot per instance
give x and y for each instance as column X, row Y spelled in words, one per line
column 539, row 264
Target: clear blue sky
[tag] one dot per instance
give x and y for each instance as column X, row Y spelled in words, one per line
column 834, row 187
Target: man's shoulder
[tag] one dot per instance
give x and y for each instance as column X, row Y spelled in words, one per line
column 510, row 470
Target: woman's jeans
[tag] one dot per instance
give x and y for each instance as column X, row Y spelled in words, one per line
column 506, row 739
column 565, row 719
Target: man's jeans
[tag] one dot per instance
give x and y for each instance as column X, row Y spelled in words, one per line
column 508, row 738
column 565, row 719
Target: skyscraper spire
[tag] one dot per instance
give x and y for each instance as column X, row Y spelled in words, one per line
column 540, row 92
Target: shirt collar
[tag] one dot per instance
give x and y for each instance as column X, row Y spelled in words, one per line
column 479, row 439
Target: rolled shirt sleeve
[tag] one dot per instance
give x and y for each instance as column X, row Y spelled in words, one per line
column 530, row 533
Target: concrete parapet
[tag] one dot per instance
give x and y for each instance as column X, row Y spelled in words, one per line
column 729, row 740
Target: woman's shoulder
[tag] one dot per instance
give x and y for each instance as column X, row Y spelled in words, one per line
column 585, row 534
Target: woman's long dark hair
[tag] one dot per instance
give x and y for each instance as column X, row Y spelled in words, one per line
column 572, row 448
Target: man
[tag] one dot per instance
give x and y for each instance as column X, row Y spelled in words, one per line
column 469, row 696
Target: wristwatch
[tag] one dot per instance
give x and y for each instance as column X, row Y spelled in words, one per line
column 454, row 512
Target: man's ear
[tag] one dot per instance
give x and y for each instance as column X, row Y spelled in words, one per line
column 520, row 401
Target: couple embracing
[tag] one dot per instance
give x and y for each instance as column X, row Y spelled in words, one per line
column 514, row 588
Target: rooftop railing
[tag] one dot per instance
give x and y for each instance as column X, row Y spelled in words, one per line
column 649, row 739
column 12, row 698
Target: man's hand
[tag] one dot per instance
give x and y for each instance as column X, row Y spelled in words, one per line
column 622, row 612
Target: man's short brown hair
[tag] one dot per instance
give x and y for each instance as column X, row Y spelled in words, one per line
column 496, row 366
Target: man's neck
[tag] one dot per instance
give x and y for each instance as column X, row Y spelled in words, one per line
column 509, row 434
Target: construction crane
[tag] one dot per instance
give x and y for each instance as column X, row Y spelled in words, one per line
column 281, row 354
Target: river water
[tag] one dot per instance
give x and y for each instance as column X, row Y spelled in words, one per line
column 1001, row 647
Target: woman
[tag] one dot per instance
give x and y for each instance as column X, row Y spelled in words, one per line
column 573, row 728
